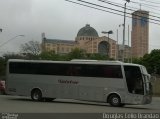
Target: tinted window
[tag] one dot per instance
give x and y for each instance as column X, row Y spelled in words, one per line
column 134, row 79
column 107, row 71
column 86, row 70
column 112, row 71
column 38, row 68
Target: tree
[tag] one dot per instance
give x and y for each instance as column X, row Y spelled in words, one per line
column 76, row 54
column 153, row 60
column 32, row 48
column 150, row 61
column 97, row 56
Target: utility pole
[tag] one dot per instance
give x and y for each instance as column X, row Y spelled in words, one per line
column 117, row 47
column 124, row 29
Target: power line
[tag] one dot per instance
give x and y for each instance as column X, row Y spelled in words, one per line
column 100, row 6
column 109, row 11
column 149, row 6
column 94, row 7
column 150, row 2
column 114, row 9
column 108, row 2
column 122, row 5
column 144, row 4
column 134, row 8
column 153, row 8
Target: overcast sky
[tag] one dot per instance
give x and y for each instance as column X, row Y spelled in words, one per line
column 60, row 19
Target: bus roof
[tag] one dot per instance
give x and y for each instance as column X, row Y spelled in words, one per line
column 86, row 60
column 131, row 64
column 75, row 61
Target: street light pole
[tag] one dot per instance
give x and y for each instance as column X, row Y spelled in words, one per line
column 10, row 40
column 109, row 32
column 124, row 29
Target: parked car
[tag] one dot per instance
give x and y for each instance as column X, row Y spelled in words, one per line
column 2, row 87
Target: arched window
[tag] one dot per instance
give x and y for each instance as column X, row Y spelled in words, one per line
column 103, row 48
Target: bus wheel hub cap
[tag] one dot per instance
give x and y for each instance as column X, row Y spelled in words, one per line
column 115, row 100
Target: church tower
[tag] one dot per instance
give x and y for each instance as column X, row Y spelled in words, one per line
column 140, row 33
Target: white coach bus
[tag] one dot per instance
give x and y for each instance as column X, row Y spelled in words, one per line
column 113, row 82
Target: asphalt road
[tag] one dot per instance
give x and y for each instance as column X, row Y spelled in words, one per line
column 26, row 105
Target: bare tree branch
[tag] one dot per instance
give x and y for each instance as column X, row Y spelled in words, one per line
column 32, row 47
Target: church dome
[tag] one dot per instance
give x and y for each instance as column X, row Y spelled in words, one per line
column 87, row 31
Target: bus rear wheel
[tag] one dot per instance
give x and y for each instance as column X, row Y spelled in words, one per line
column 36, row 95
column 114, row 100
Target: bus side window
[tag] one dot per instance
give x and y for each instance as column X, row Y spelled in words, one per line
column 112, row 72
column 73, row 71
column 69, row 71
column 108, row 72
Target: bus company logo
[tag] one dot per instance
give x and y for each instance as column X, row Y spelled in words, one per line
column 9, row 116
column 68, row 81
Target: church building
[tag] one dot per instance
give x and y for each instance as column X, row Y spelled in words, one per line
column 87, row 39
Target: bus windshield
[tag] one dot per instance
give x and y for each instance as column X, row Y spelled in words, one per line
column 134, row 79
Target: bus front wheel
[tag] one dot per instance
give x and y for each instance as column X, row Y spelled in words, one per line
column 36, row 95
column 114, row 100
